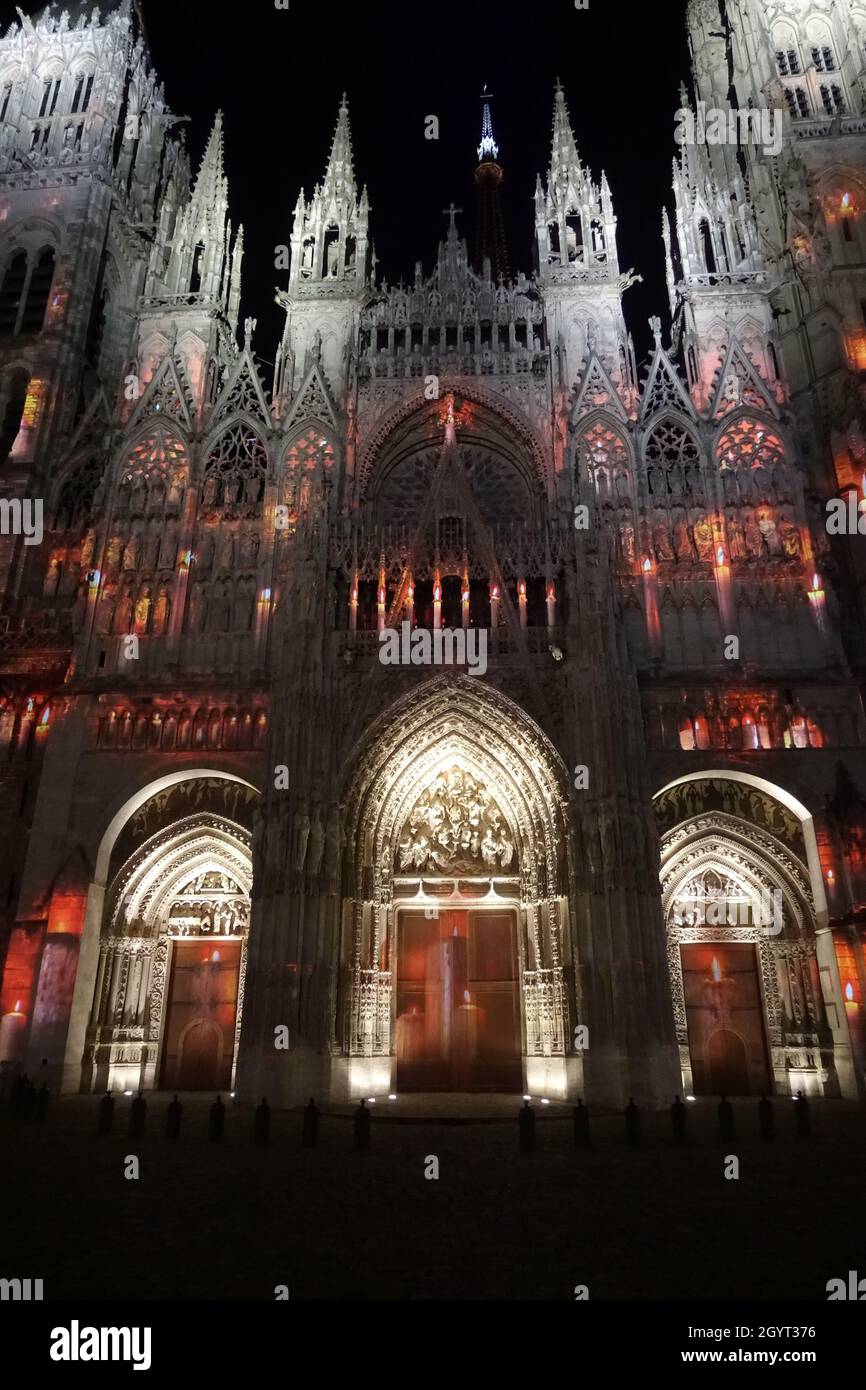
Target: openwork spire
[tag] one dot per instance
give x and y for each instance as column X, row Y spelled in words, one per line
column 490, row 243
column 488, row 149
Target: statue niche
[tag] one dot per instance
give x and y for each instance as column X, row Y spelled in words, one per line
column 456, row 827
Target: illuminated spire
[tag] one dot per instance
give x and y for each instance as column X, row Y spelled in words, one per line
column 490, row 243
column 488, row 149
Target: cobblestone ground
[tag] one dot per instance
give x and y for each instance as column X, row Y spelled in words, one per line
column 234, row 1220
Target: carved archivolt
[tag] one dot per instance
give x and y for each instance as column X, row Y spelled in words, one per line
column 193, row 878
column 744, row 862
column 199, row 860
column 502, row 773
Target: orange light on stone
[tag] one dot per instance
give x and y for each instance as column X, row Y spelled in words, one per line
column 856, row 344
column 66, row 914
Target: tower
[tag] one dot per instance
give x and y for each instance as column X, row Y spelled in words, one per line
column 328, row 274
column 719, row 284
column 490, row 242
column 192, row 292
column 578, row 265
column 805, row 69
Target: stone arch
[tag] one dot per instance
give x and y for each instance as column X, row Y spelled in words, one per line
column 459, row 718
column 127, row 846
column 457, row 729
column 513, row 422
column 740, row 871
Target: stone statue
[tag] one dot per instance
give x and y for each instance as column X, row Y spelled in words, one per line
column 662, row 544
column 301, row 836
column 790, row 537
column 704, row 541
column 767, row 527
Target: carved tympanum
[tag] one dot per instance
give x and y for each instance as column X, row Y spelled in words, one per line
column 455, row 827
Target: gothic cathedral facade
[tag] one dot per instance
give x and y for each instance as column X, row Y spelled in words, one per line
column 623, row 851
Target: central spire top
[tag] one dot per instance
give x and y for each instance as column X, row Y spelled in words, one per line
column 488, row 149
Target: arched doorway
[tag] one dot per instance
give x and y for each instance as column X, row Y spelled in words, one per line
column 456, row 931
column 749, row 990
column 167, row 1003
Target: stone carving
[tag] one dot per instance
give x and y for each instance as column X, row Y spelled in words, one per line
column 455, row 826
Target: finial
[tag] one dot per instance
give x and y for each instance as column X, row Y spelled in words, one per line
column 452, row 212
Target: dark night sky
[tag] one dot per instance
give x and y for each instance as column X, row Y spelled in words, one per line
column 278, row 76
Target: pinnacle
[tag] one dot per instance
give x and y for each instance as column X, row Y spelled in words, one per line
column 211, row 180
column 340, row 175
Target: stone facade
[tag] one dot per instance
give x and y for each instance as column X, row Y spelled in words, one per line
column 203, row 751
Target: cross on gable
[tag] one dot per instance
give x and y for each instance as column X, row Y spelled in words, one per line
column 452, row 212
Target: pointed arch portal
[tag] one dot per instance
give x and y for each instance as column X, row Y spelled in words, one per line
column 754, row 979
column 455, row 934
column 159, row 989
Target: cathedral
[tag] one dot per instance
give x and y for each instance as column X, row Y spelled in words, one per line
column 458, row 707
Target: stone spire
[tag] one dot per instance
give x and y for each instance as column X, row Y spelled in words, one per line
column 339, row 182
column 565, row 175
column 490, row 245
column 575, row 223
column 193, row 253
column 211, row 186
column 330, row 232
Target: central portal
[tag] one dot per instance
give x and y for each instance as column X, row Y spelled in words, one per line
column 458, row 1007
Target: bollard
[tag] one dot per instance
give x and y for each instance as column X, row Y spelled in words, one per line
column 526, row 1127
column 262, row 1123
column 766, row 1119
column 216, row 1120
column 106, row 1113
column 172, row 1119
column 727, row 1128
column 802, row 1116
column 310, row 1129
column 137, row 1116
column 362, row 1126
column 632, row 1124
column 42, row 1100
column 581, row 1126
